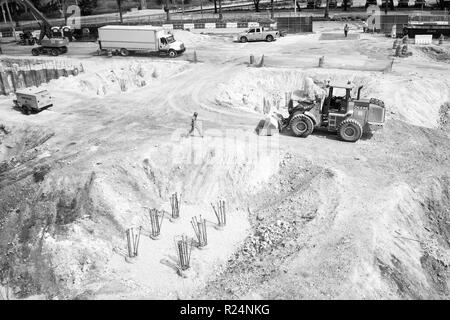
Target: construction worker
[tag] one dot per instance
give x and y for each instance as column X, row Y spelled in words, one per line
column 346, row 30
column 365, row 26
column 195, row 126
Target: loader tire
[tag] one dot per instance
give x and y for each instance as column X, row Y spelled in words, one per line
column 301, row 125
column 350, row 130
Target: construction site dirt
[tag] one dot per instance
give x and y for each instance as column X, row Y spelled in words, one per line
column 106, row 196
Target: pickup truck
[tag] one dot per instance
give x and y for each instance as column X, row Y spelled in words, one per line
column 258, row 34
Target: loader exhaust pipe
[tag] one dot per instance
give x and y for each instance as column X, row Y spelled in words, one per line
column 359, row 92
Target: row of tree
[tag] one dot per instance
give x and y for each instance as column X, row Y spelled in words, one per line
column 345, row 5
column 87, row 6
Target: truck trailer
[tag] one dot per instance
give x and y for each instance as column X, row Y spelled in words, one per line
column 124, row 40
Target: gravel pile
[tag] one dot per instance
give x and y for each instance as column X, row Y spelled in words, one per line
column 267, row 238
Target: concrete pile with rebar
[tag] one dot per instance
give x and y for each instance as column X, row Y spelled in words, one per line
column 175, row 205
column 156, row 220
column 199, row 226
column 219, row 211
column 183, row 246
column 133, row 238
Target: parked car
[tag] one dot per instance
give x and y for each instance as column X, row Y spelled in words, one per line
column 258, row 34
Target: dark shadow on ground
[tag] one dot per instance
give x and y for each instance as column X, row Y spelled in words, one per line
column 325, row 134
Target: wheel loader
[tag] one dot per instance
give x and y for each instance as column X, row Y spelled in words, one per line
column 347, row 116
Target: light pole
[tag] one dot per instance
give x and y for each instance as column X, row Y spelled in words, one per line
column 201, row 7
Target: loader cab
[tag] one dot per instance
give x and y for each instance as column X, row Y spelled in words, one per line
column 337, row 100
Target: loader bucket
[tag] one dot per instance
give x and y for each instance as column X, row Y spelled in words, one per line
column 268, row 127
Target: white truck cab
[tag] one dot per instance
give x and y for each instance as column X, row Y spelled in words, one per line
column 168, row 42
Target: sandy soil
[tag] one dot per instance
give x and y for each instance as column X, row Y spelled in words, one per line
column 307, row 218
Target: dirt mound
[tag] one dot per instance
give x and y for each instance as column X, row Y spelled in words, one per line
column 444, row 117
column 306, row 244
column 280, row 216
column 191, row 39
column 436, row 53
column 265, row 87
column 122, row 76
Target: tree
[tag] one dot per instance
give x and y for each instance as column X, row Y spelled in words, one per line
column 345, row 5
column 143, row 4
column 327, row 10
column 64, row 6
column 256, row 3
column 119, row 5
column 220, row 9
column 215, row 6
column 167, row 10
column 87, row 6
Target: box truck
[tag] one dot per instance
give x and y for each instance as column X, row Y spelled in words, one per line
column 124, row 40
